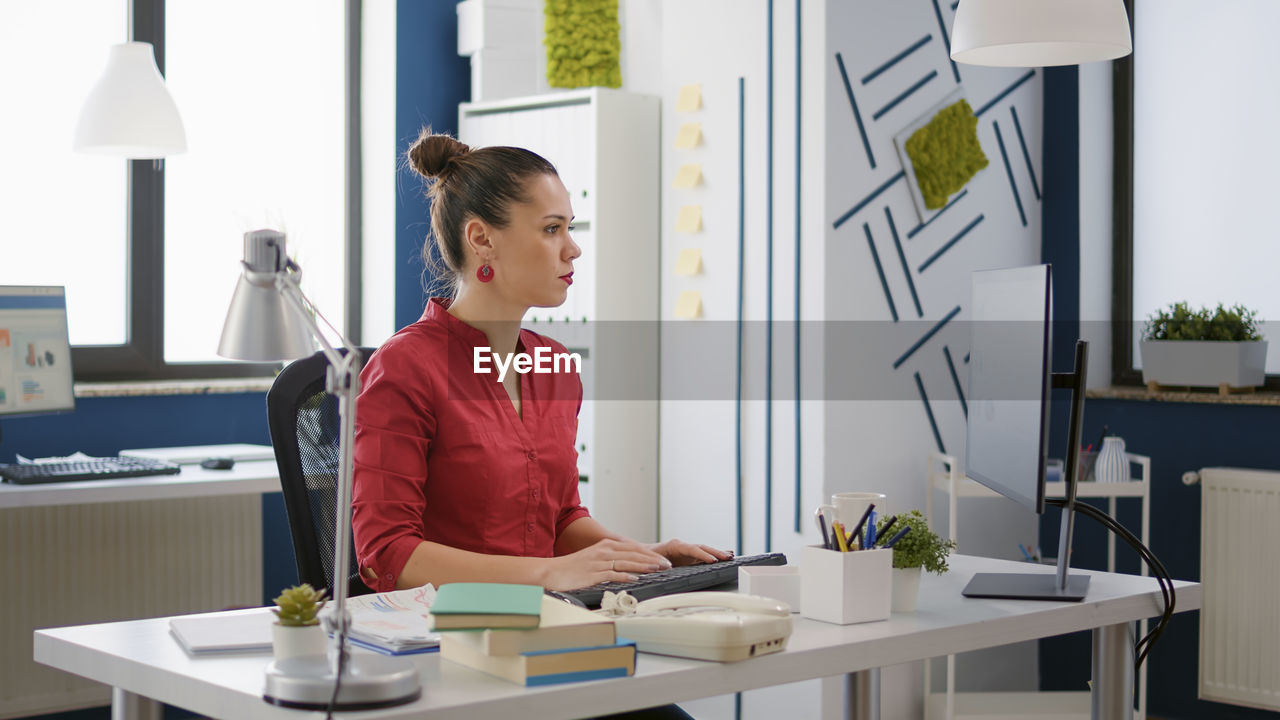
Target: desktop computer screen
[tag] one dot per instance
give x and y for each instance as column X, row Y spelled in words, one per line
column 35, row 351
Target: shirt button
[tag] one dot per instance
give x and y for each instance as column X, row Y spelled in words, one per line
column 533, row 455
column 535, row 493
column 530, row 527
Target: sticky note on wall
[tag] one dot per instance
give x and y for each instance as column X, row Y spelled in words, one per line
column 688, row 175
column 689, row 136
column 690, row 219
column 690, row 98
column 689, row 306
column 689, row 262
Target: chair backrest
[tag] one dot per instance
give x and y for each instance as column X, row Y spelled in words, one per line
column 303, row 420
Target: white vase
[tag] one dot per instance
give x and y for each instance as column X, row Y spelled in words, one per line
column 1112, row 464
column 906, row 589
column 289, row 641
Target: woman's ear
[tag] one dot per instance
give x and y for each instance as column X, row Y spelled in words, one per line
column 478, row 238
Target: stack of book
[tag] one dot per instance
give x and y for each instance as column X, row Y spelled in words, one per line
column 517, row 633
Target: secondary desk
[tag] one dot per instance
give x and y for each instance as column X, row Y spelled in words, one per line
column 144, row 664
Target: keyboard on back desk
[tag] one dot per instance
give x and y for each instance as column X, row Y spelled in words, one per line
column 685, row 578
column 109, row 468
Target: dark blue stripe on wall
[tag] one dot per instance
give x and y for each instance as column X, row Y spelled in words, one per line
column 905, row 94
column 1026, row 155
column 972, row 224
column 862, row 130
column 928, row 410
column 1005, row 92
column 966, row 358
column 1008, row 169
column 955, row 378
column 896, row 59
column 916, row 230
column 925, row 338
column 884, row 283
column 768, row 303
column 796, row 358
column 742, row 234
column 863, row 202
column 946, row 41
column 902, row 257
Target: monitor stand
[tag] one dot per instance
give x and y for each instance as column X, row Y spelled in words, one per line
column 1059, row 585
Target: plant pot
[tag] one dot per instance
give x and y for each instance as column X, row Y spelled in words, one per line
column 906, row 588
column 1204, row 363
column 289, row 641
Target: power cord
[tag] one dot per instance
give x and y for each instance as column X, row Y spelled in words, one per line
column 337, row 680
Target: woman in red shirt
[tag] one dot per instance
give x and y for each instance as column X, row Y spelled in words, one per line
column 465, row 471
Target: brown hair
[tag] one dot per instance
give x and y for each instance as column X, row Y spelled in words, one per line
column 464, row 183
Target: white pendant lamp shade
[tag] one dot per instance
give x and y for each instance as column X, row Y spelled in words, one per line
column 129, row 112
column 1039, row 33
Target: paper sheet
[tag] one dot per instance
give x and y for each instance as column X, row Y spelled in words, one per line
column 688, row 175
column 689, row 136
column 689, row 262
column 690, row 98
column 689, row 306
column 690, row 219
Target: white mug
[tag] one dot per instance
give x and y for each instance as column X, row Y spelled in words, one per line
column 847, row 508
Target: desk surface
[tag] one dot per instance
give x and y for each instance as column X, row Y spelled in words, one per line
column 257, row 476
column 141, row 657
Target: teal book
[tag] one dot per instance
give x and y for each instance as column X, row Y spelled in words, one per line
column 463, row 606
column 544, row 667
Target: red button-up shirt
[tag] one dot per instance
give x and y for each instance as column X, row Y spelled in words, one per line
column 441, row 455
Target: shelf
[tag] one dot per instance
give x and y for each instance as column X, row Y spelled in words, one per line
column 972, row 488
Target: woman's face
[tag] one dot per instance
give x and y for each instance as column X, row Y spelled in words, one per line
column 533, row 255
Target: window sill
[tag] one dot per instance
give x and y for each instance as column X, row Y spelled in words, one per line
column 140, row 388
column 1206, row 396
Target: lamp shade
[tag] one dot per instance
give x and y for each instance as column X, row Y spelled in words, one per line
column 129, row 112
column 261, row 324
column 1039, row 33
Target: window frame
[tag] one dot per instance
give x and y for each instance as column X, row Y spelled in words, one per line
column 141, row 356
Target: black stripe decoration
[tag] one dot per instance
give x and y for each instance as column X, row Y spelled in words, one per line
column 902, row 257
column 884, row 283
column 768, row 342
column 905, row 94
column 955, row 378
column 864, row 201
column 955, row 5
column 796, row 353
column 1026, row 155
column 928, row 410
column 742, row 234
column 925, row 338
column 1004, row 92
column 966, row 358
column 972, row 224
column 946, row 41
column 896, row 59
column 916, row 230
column 1008, row 169
column 862, row 130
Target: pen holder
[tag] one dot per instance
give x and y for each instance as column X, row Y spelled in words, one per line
column 845, row 587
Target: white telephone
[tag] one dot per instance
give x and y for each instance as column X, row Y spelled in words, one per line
column 721, row 626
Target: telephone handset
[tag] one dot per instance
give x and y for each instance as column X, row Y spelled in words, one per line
column 722, row 626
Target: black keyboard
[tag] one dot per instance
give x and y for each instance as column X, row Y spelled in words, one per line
column 92, row 469
column 686, row 578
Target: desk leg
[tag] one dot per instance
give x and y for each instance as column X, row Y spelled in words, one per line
column 1112, row 696
column 129, row 706
column 862, row 695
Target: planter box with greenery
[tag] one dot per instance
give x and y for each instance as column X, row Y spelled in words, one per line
column 1203, row 348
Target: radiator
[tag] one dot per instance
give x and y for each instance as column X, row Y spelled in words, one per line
column 1240, row 571
column 76, row 564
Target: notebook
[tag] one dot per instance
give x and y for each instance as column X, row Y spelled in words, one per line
column 545, row 667
column 461, row 606
column 236, row 631
column 562, row 626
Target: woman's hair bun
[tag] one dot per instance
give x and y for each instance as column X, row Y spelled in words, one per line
column 431, row 152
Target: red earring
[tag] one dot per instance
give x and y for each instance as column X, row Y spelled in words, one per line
column 484, row 273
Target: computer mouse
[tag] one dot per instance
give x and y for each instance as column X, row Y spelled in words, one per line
column 218, row 463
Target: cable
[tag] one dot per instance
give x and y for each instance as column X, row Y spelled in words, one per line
column 1142, row 647
column 337, row 680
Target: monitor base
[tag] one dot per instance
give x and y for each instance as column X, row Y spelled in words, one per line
column 1026, row 586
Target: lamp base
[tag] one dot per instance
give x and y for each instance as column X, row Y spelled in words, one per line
column 368, row 682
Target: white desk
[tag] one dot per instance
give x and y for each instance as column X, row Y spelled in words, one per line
column 246, row 478
column 145, row 664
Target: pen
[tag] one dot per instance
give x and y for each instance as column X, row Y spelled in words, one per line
column 839, row 531
column 857, row 530
column 894, row 540
column 885, row 530
column 1024, row 552
column 871, row 532
column 1094, row 460
column 822, row 524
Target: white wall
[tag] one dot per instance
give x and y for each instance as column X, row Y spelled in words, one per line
column 1096, row 141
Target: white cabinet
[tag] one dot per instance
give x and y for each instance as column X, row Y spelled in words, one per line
column 604, row 143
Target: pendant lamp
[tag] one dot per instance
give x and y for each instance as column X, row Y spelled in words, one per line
column 1039, row 33
column 129, row 112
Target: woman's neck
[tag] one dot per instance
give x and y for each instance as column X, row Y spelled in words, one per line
column 500, row 324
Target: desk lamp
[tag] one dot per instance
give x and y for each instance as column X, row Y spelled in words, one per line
column 270, row 319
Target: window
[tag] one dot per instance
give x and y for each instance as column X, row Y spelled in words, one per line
column 152, row 249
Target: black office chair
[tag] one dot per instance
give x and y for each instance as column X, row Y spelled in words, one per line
column 303, row 420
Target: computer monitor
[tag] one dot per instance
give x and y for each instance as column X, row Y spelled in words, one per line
column 1007, row 441
column 35, row 351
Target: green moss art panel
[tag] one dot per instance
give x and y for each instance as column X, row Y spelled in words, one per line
column 945, row 153
column 583, row 46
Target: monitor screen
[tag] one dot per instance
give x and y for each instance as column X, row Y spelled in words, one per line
column 35, row 351
column 1009, row 379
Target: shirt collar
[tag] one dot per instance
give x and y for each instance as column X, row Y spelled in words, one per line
column 437, row 311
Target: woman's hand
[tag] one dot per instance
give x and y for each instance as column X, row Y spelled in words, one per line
column 608, row 560
column 680, row 552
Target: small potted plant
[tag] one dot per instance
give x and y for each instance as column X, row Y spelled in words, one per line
column 920, row 549
column 297, row 628
column 1219, row 348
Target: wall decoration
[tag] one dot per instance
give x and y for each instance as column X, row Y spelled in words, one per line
column 583, row 46
column 940, row 153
